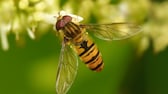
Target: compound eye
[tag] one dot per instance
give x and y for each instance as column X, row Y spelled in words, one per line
column 59, row 24
column 67, row 18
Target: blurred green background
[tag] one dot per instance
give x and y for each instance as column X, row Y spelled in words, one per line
column 133, row 66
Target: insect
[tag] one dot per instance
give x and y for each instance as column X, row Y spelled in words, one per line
column 75, row 41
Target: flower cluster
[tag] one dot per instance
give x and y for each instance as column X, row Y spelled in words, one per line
column 22, row 17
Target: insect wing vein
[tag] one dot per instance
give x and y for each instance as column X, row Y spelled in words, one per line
column 67, row 69
column 113, row 31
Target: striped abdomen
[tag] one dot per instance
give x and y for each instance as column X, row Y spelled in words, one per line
column 85, row 48
column 90, row 54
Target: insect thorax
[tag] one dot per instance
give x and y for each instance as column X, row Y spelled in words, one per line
column 72, row 31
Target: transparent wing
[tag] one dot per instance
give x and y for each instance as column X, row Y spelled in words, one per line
column 113, row 31
column 67, row 69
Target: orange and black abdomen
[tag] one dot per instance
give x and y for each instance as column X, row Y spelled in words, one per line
column 84, row 46
column 90, row 55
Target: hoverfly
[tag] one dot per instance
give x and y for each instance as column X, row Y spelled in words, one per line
column 75, row 41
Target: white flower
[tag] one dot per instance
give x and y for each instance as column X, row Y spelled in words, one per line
column 52, row 19
column 75, row 18
column 4, row 30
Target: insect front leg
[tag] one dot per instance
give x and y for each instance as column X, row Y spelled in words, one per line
column 66, row 41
